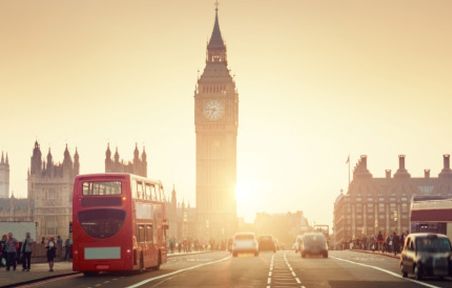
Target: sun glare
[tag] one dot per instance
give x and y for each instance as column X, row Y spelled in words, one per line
column 247, row 197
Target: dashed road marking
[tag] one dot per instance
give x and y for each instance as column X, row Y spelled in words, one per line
column 177, row 272
column 387, row 272
column 281, row 273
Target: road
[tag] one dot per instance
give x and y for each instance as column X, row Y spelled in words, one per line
column 343, row 269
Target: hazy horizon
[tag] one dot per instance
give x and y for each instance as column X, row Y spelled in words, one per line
column 317, row 81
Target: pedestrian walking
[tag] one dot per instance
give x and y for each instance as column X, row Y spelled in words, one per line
column 396, row 243
column 380, row 241
column 51, row 252
column 11, row 252
column 3, row 251
column 26, row 250
column 68, row 249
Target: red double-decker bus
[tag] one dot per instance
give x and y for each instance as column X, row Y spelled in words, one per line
column 119, row 223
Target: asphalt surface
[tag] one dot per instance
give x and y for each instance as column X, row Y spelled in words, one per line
column 343, row 269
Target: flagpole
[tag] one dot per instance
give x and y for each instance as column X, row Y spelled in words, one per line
column 349, row 170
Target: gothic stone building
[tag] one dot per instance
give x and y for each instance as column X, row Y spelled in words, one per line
column 181, row 219
column 4, row 176
column 138, row 166
column 50, row 192
column 15, row 210
column 383, row 204
column 216, row 121
column 11, row 208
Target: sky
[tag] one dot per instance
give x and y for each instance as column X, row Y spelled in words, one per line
column 317, row 81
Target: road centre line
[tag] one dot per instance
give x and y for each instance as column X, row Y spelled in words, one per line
column 269, row 279
column 177, row 272
column 387, row 272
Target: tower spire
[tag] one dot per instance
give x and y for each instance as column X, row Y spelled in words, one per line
column 216, row 49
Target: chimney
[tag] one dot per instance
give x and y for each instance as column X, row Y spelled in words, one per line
column 401, row 162
column 446, row 162
column 388, row 173
column 426, row 173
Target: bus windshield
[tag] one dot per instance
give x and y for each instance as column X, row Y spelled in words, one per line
column 101, row 223
column 95, row 188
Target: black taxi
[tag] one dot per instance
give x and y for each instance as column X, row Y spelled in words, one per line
column 426, row 254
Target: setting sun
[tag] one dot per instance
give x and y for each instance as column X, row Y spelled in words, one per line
column 249, row 194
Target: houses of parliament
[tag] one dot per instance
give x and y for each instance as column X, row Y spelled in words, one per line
column 49, row 197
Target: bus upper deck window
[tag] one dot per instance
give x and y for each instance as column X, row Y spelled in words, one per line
column 94, row 188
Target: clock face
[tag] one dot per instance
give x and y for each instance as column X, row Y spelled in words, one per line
column 213, row 110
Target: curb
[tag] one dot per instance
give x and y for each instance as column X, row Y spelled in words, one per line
column 18, row 284
column 187, row 254
column 375, row 253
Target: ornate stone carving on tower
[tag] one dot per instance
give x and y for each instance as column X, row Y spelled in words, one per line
column 4, row 176
column 138, row 166
column 50, row 192
column 216, row 121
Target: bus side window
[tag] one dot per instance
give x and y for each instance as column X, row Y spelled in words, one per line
column 149, row 236
column 140, row 234
column 147, row 191
column 139, row 190
column 162, row 194
column 154, row 193
column 158, row 190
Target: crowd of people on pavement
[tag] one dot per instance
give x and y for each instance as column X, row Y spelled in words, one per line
column 389, row 243
column 13, row 251
column 190, row 245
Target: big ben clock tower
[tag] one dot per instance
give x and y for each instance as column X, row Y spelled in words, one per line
column 216, row 121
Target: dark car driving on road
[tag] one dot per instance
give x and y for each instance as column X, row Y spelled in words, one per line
column 267, row 243
column 426, row 254
column 313, row 244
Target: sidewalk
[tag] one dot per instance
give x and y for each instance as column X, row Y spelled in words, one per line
column 387, row 254
column 37, row 271
column 40, row 271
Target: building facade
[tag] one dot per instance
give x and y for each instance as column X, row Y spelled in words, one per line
column 383, row 204
column 15, row 210
column 216, row 121
column 282, row 226
column 137, row 166
column 181, row 219
column 4, row 176
column 50, row 192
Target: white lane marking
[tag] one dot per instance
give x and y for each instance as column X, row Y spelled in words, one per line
column 387, row 272
column 294, row 275
column 269, row 279
column 177, row 272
